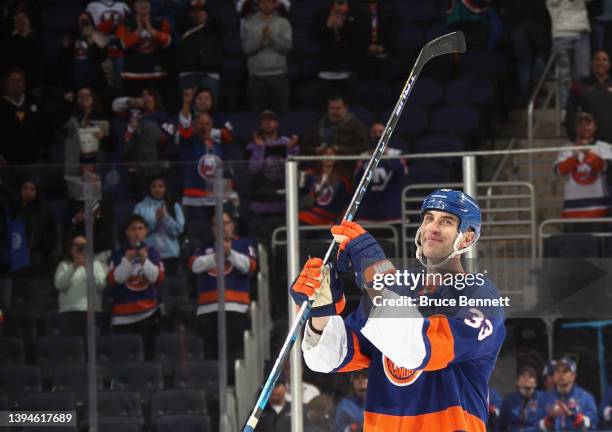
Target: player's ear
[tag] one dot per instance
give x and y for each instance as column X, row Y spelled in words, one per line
column 468, row 238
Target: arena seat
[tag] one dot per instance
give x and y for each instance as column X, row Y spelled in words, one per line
column 184, row 423
column 142, row 377
column 120, row 424
column 52, row 352
column 469, row 90
column 297, row 121
column 119, row 404
column 427, row 93
column 73, row 379
column 173, row 348
column 12, row 351
column 113, row 350
column 203, row 375
column 16, row 381
column 460, row 119
column 48, row 401
column 177, row 402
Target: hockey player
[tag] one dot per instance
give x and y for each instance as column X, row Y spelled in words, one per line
column 569, row 406
column 427, row 371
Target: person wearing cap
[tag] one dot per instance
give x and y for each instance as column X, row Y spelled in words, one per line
column 268, row 151
column 605, row 409
column 429, row 359
column 569, row 407
column 522, row 409
column 585, row 191
column 266, row 40
column 349, row 412
column 319, row 414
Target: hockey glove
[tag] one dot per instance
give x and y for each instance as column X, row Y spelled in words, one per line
column 321, row 284
column 361, row 251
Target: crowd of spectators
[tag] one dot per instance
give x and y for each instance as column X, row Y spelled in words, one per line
column 141, row 97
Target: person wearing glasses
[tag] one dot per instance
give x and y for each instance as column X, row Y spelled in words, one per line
column 71, row 283
column 524, row 408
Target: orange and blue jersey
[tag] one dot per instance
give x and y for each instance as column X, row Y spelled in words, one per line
column 518, row 413
column 240, row 265
column 329, row 198
column 133, row 286
column 428, row 370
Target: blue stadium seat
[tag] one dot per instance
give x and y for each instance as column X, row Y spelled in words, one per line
column 411, row 38
column 173, row 348
column 458, row 119
column 245, row 123
column 203, row 375
column 469, row 90
column 427, row 93
column 119, row 404
column 489, row 63
column 413, row 121
column 374, row 94
column 73, row 379
column 421, row 171
column 52, row 352
column 363, row 114
column 120, row 424
column 16, row 381
column 173, row 290
column 184, row 319
column 438, row 143
column 417, row 10
column 308, row 95
column 113, row 350
column 177, row 402
column 48, row 402
column 12, row 351
column 145, row 378
column 297, row 121
column 184, row 423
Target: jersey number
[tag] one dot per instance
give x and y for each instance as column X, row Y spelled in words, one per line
column 478, row 321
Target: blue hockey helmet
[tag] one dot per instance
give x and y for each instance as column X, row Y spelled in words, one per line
column 457, row 203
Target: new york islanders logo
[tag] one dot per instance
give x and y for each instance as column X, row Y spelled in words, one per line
column 207, row 165
column 584, row 175
column 399, row 376
column 325, row 195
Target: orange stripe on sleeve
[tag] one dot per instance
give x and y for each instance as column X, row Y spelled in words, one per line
column 595, row 162
column 450, row 419
column 230, row 296
column 567, row 166
column 135, row 307
column 359, row 360
column 441, row 343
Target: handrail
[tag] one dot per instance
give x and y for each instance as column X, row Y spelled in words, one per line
column 532, row 122
column 497, row 173
column 561, row 221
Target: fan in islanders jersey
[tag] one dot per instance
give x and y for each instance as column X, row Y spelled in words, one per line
column 428, row 366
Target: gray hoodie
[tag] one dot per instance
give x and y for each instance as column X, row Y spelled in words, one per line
column 266, row 56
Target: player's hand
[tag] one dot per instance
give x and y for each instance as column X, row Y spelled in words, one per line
column 359, row 250
column 143, row 254
column 321, row 284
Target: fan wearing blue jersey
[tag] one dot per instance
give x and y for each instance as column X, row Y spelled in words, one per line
column 428, row 367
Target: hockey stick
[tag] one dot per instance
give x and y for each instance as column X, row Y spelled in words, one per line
column 447, row 44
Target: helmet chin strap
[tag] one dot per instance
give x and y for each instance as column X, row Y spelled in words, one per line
column 456, row 251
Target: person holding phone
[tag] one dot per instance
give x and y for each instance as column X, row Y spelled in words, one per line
column 71, row 282
column 135, row 271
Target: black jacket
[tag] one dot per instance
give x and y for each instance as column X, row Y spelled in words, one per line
column 201, row 49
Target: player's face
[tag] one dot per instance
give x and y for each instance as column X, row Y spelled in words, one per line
column 158, row 189
column 28, row 192
column 438, row 233
column 563, row 376
column 136, row 233
column 149, row 101
column 266, row 7
column 228, row 226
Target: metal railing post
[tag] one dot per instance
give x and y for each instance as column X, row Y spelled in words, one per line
column 293, row 269
column 469, row 187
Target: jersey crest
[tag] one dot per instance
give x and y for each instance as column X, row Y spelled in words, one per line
column 397, row 375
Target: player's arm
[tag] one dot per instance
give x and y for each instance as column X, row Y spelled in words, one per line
column 330, row 344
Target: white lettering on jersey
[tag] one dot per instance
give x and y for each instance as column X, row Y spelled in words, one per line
column 478, row 321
